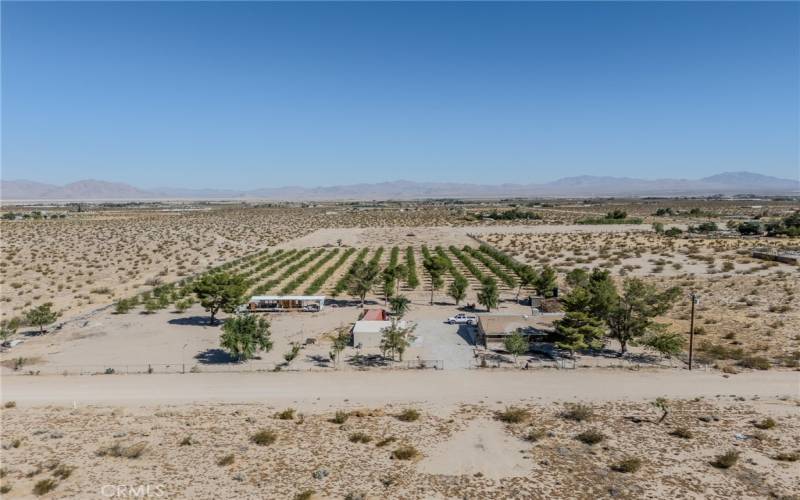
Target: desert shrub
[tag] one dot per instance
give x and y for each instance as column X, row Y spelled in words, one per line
column 287, row 414
column 264, row 437
column 340, row 417
column 628, row 465
column 578, row 412
column 385, row 441
column 408, row 415
column 512, row 415
column 755, row 362
column 63, row 471
column 590, row 437
column 10, row 404
column 405, row 452
column 226, row 460
column 767, row 423
column 682, row 432
column 120, row 450
column 791, row 456
column 359, row 437
column 304, row 495
column 5, row 489
column 187, row 441
column 44, row 486
column 726, row 460
column 534, row 435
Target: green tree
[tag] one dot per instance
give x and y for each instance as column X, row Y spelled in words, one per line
column 633, row 316
column 516, row 344
column 577, row 278
column 390, row 277
column 579, row 329
column 458, row 288
column 399, row 305
column 244, row 334
column 362, row 277
column 749, row 228
column 41, row 316
column 340, row 342
column 435, row 266
column 396, row 338
column 545, row 282
column 220, row 291
column 658, row 227
column 8, row 328
column 527, row 277
column 664, row 343
column 489, row 294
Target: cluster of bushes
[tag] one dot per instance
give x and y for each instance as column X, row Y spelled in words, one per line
column 614, row 217
column 322, row 278
column 788, row 226
column 288, row 258
column 704, row 228
column 450, row 266
column 302, row 277
column 513, row 214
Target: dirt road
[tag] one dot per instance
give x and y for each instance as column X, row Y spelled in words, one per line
column 311, row 391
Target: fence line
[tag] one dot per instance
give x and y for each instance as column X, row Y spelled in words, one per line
column 167, row 368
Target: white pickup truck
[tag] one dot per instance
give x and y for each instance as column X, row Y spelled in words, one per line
column 462, row 319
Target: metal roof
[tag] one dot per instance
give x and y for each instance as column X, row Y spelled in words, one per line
column 315, row 298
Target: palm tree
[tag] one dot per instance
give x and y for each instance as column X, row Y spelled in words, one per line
column 399, row 305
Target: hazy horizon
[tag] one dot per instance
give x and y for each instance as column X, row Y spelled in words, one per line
column 242, row 95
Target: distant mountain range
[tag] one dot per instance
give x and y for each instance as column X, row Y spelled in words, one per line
column 729, row 183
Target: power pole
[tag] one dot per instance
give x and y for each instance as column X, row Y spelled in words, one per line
column 695, row 300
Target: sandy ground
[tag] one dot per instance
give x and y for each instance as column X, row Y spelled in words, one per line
column 206, row 451
column 432, row 236
column 309, row 390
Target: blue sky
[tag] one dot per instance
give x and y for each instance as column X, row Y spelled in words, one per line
column 239, row 95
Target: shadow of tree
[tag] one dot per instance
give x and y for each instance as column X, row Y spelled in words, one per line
column 192, row 321
column 319, row 360
column 370, row 360
column 214, row 356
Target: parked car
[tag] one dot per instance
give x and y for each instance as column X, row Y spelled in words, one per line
column 462, row 319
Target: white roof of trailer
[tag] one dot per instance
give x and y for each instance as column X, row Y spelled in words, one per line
column 374, row 326
column 315, row 298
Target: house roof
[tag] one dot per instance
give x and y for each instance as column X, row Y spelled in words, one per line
column 498, row 324
column 374, row 326
column 316, row 298
column 374, row 315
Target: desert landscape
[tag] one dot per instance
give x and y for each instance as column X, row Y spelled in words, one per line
column 400, row 250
